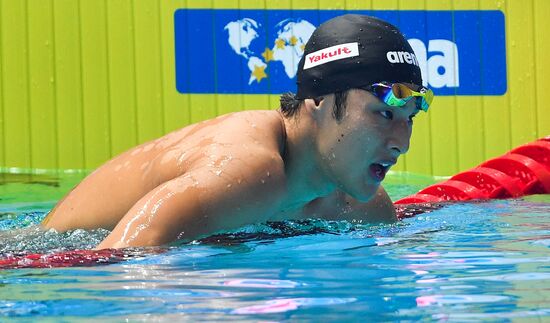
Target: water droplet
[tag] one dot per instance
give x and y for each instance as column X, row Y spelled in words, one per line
column 360, row 29
column 268, row 174
column 263, row 181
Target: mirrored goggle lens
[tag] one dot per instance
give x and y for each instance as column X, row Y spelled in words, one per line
column 401, row 91
column 398, row 94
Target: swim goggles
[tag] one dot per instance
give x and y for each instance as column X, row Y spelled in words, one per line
column 398, row 94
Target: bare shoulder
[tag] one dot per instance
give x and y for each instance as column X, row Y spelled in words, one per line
column 341, row 206
column 247, row 143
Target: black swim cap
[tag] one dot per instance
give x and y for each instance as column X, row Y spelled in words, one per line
column 352, row 51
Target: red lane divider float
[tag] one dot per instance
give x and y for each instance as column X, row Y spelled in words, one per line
column 523, row 171
column 63, row 259
column 74, row 258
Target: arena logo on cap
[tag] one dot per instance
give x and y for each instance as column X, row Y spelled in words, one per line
column 402, row 57
column 331, row 54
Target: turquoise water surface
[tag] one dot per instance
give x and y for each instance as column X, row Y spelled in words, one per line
column 470, row 261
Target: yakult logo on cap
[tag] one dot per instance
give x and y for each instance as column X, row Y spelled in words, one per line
column 330, row 54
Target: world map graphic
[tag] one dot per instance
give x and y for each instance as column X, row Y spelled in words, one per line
column 288, row 47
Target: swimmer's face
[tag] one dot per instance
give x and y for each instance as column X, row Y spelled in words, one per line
column 358, row 150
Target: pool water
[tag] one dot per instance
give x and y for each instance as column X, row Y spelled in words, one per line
column 469, row 261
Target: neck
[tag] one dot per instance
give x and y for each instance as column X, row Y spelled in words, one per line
column 305, row 178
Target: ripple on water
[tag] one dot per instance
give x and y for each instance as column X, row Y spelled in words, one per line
column 33, row 239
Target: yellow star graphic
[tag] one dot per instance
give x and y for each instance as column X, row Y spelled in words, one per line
column 259, row 73
column 303, row 47
column 268, row 55
column 293, row 40
column 280, row 43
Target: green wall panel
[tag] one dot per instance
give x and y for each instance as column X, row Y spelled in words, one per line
column 15, row 84
column 2, row 136
column 95, row 82
column 122, row 75
column 43, row 119
column 68, row 85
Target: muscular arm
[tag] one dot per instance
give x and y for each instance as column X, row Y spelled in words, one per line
column 201, row 202
column 104, row 196
column 340, row 206
column 159, row 217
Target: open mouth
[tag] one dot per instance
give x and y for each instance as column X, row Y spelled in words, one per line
column 378, row 170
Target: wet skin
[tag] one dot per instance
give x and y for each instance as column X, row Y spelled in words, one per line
column 241, row 168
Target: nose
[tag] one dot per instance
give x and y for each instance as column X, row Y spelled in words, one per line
column 399, row 139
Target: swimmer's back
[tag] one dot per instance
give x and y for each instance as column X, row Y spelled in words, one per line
column 104, row 197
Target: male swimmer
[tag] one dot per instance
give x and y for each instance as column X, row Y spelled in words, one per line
column 323, row 154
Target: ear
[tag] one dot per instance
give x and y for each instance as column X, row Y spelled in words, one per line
column 320, row 108
column 314, row 104
column 318, row 100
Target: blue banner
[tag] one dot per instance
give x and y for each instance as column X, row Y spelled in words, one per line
column 257, row 51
